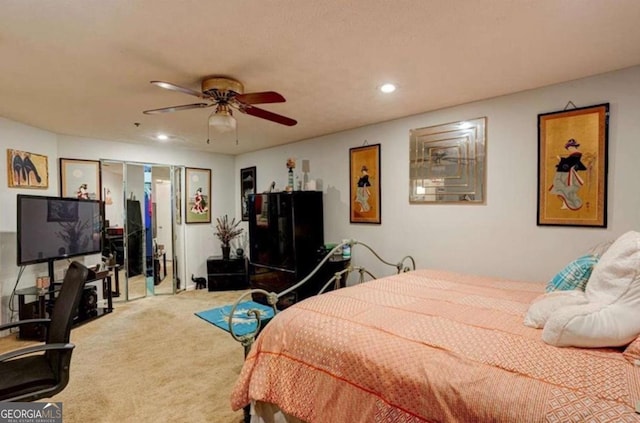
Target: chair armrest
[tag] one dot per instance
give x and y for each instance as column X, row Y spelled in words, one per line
column 34, row 349
column 24, row 322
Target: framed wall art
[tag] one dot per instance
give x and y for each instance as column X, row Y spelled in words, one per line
column 365, row 184
column 247, row 186
column 80, row 179
column 198, row 195
column 572, row 167
column 27, row 170
column 447, row 163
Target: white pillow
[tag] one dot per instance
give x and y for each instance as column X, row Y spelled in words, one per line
column 616, row 270
column 610, row 318
column 543, row 306
column 593, row 325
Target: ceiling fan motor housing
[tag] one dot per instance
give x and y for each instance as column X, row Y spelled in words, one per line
column 215, row 86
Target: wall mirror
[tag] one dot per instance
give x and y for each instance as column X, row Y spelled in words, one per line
column 142, row 232
column 447, row 163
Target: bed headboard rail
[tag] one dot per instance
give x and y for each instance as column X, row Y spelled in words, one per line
column 407, row 263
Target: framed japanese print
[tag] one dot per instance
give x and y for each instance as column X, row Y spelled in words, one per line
column 80, row 179
column 247, row 186
column 572, row 167
column 198, row 195
column 365, row 184
column 27, row 170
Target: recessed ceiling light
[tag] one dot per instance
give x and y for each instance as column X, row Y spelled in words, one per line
column 388, row 88
column 162, row 137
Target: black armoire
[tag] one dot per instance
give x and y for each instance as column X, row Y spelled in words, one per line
column 286, row 232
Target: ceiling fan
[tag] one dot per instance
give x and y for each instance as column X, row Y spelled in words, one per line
column 225, row 94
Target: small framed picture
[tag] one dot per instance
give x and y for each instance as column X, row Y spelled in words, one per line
column 198, row 192
column 572, row 167
column 247, row 186
column 365, row 184
column 80, row 179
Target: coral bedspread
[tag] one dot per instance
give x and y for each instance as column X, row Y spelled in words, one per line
column 429, row 346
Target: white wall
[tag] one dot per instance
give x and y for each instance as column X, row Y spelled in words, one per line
column 17, row 136
column 497, row 239
column 199, row 242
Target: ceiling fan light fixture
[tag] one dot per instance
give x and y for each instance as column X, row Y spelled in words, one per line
column 222, row 119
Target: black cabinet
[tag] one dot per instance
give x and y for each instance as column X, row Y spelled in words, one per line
column 286, row 231
column 226, row 274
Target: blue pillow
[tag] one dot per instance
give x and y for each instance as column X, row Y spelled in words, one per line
column 574, row 276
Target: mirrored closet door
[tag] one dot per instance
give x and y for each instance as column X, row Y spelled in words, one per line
column 144, row 233
column 162, row 230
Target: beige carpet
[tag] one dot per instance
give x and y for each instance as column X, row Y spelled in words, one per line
column 152, row 360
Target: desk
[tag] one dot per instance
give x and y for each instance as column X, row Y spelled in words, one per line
column 44, row 302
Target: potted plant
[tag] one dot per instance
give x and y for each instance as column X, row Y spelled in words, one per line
column 226, row 231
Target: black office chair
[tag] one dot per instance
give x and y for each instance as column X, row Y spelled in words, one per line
column 25, row 376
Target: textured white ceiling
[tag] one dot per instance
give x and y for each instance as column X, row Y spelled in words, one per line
column 82, row 67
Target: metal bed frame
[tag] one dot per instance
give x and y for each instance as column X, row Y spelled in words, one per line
column 407, row 263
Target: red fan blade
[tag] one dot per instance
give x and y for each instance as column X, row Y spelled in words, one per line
column 177, row 108
column 264, row 114
column 260, row 98
column 174, row 87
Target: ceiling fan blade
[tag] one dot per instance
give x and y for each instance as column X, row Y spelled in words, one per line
column 260, row 98
column 177, row 108
column 174, row 87
column 264, row 114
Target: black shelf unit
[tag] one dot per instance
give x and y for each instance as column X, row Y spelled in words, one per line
column 226, row 274
column 286, row 231
column 44, row 300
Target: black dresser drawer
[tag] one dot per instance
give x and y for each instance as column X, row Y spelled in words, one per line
column 226, row 274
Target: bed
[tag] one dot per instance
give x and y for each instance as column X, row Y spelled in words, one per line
column 429, row 346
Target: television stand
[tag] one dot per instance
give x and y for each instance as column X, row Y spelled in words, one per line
column 41, row 306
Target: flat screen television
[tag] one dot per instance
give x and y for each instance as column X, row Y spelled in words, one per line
column 52, row 228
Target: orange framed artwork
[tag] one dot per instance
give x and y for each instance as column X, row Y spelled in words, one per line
column 27, row 170
column 365, row 184
column 572, row 167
